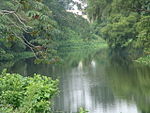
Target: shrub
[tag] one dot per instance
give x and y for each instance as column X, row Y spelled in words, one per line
column 82, row 110
column 20, row 94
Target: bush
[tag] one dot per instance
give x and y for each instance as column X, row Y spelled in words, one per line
column 82, row 110
column 20, row 94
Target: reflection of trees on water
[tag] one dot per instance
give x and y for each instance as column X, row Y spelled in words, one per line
column 81, row 87
column 94, row 82
column 6, row 65
column 130, row 82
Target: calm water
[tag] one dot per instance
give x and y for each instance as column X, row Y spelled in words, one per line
column 96, row 82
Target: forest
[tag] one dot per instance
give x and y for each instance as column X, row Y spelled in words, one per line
column 31, row 28
column 125, row 25
column 37, row 36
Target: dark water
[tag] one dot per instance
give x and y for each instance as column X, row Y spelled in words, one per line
column 96, row 82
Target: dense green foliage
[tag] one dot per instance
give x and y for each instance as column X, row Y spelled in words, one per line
column 39, row 26
column 20, row 94
column 26, row 25
column 125, row 25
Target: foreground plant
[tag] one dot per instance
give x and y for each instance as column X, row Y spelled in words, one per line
column 20, row 94
column 82, row 110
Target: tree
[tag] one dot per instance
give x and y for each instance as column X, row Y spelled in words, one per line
column 123, row 24
column 23, row 21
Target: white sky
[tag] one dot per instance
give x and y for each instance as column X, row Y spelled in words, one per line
column 80, row 2
column 77, row 1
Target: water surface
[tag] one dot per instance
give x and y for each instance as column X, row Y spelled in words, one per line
column 97, row 82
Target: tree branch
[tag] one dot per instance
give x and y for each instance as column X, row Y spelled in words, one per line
column 20, row 20
column 26, row 44
column 3, row 12
column 23, row 27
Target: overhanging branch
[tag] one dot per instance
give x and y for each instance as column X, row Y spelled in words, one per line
column 4, row 12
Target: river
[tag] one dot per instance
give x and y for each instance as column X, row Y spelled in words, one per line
column 97, row 82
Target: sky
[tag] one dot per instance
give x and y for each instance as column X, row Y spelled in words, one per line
column 80, row 2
